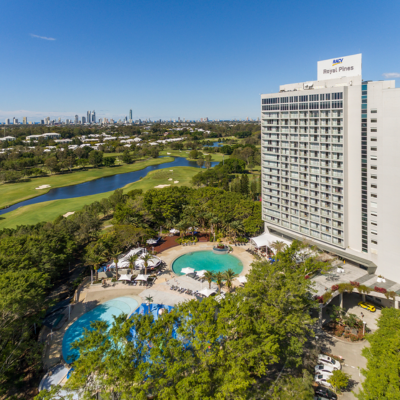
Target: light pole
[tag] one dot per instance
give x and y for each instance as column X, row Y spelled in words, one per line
column 364, row 323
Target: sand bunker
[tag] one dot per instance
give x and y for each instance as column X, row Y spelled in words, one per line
column 43, row 187
column 176, row 181
column 68, row 214
column 168, row 153
column 170, row 179
column 161, row 186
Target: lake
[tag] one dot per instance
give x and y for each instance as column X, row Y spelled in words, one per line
column 101, row 185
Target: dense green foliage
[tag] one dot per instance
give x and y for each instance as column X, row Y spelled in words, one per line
column 224, row 349
column 383, row 360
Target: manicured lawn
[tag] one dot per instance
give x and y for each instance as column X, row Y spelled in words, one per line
column 185, row 154
column 11, row 193
column 50, row 210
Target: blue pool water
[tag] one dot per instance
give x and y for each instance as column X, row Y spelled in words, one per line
column 209, row 261
column 103, row 312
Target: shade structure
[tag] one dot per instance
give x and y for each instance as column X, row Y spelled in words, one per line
column 201, row 273
column 174, row 231
column 142, row 277
column 126, row 277
column 242, row 279
column 208, row 292
column 123, row 260
column 151, row 241
column 153, row 262
column 266, row 239
column 187, row 270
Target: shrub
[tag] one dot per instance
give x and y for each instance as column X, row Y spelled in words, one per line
column 343, row 287
column 339, row 331
column 354, row 338
column 307, row 277
column 355, row 284
column 319, row 299
column 326, row 296
column 364, row 289
column 380, row 289
column 335, row 287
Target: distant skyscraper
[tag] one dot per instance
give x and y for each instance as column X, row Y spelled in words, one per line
column 25, row 120
column 42, row 121
column 83, row 120
column 7, row 121
column 130, row 114
column 89, row 115
column 76, row 119
column 15, row 120
column 94, row 116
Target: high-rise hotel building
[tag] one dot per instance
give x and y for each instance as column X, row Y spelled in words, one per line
column 330, row 165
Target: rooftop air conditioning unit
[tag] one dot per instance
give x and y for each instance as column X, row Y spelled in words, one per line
column 308, row 85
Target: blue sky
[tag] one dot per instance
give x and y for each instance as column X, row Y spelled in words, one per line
column 189, row 59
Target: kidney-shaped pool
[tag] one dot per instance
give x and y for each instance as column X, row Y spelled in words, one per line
column 103, row 312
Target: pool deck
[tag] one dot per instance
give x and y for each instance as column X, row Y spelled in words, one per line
column 94, row 295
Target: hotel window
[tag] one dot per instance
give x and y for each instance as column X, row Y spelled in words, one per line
column 374, row 130
column 374, row 167
column 374, row 149
column 374, row 195
column 374, row 242
column 374, row 185
column 374, row 111
column 374, row 176
column 374, row 223
column 373, row 231
column 374, row 139
column 374, row 120
column 337, row 96
column 374, row 213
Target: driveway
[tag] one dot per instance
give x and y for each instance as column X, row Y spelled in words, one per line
column 353, row 360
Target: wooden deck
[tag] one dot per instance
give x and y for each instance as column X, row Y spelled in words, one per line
column 170, row 241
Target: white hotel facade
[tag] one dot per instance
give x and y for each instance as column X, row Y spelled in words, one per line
column 330, row 165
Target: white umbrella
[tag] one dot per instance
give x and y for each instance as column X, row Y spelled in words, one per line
column 187, row 270
column 151, row 241
column 242, row 279
column 207, row 292
column 174, row 231
column 201, row 273
column 142, row 277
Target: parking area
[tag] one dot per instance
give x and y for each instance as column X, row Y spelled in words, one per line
column 350, row 304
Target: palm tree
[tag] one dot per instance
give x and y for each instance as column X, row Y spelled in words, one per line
column 229, row 276
column 236, row 227
column 146, row 258
column 219, row 277
column 209, row 276
column 132, row 260
column 278, row 246
column 114, row 253
column 95, row 261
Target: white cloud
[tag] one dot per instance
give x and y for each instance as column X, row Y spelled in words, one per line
column 42, row 37
column 391, row 75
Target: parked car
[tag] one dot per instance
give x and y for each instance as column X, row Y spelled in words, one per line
column 324, row 369
column 367, row 306
column 322, row 358
column 322, row 379
column 325, row 392
column 320, row 398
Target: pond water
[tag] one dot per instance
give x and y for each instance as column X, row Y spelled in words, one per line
column 102, row 185
column 214, row 144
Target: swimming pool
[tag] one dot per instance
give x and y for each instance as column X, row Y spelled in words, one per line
column 199, row 260
column 103, row 312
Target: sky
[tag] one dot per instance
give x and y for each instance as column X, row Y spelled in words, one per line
column 189, row 58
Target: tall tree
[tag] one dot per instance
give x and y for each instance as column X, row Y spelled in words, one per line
column 209, row 277
column 383, row 361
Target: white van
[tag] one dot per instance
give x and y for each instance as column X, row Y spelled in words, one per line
column 322, row 358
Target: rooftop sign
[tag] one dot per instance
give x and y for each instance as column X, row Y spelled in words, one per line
column 339, row 67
